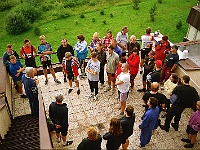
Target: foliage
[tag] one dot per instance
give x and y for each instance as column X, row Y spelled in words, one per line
column 102, row 12
column 36, row 30
column 82, row 16
column 16, row 23
column 6, row 5
column 152, row 12
column 179, row 25
column 30, row 12
column 160, row 1
column 136, row 4
column 111, row 15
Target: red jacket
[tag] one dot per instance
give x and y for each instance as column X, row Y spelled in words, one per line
column 74, row 65
column 133, row 62
column 162, row 50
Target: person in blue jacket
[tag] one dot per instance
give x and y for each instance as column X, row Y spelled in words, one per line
column 81, row 52
column 149, row 121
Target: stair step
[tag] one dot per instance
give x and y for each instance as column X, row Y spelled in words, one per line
column 23, row 130
column 21, row 137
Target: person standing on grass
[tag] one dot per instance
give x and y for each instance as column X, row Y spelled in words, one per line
column 133, row 61
column 6, row 57
column 62, row 49
column 58, row 113
column 114, row 136
column 122, row 82
column 193, row 128
column 16, row 69
column 112, row 61
column 127, row 123
column 70, row 69
column 28, row 53
column 93, row 69
column 101, row 55
column 81, row 52
column 44, row 51
column 31, row 90
column 149, row 121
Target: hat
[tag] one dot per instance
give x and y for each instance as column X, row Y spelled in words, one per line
column 68, row 54
column 158, row 63
column 198, row 103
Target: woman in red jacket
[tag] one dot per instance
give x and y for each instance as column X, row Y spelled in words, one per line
column 133, row 61
column 162, row 48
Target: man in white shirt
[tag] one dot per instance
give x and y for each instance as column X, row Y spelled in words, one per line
column 123, row 83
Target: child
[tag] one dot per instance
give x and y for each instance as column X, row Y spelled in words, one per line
column 16, row 70
column 93, row 69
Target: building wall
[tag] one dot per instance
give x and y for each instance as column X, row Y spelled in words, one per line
column 193, row 33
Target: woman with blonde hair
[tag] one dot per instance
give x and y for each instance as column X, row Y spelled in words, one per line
column 114, row 136
column 95, row 40
column 92, row 142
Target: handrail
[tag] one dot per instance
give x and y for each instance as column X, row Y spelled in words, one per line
column 45, row 139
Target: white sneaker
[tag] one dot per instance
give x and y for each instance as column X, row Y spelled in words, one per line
column 91, row 95
column 58, row 140
column 95, row 97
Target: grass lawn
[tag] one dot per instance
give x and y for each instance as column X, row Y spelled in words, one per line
column 169, row 13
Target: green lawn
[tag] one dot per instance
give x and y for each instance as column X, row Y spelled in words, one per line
column 168, row 14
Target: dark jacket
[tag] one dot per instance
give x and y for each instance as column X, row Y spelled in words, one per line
column 62, row 50
column 87, row 144
column 59, row 114
column 113, row 142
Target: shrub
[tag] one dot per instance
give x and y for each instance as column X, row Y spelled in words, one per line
column 93, row 20
column 47, row 7
column 160, row 1
column 28, row 11
column 152, row 12
column 36, row 30
column 104, row 21
column 111, row 15
column 6, row 6
column 102, row 12
column 179, row 25
column 136, row 4
column 82, row 16
column 69, row 3
column 16, row 23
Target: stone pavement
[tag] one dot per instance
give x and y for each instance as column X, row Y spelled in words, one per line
column 85, row 112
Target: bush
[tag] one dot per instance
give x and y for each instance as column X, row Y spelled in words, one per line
column 69, row 3
column 152, row 12
column 47, row 7
column 6, row 6
column 16, row 23
column 82, row 16
column 93, row 20
column 102, row 12
column 179, row 25
column 111, row 15
column 28, row 11
column 36, row 30
column 160, row 1
column 104, row 21
column 136, row 4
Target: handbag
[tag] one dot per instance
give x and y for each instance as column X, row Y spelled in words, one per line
column 174, row 99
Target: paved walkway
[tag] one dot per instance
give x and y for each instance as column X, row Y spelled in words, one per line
column 84, row 112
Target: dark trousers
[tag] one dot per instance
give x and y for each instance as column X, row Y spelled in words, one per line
column 82, row 65
column 101, row 75
column 34, row 105
column 93, row 85
column 174, row 111
column 166, row 73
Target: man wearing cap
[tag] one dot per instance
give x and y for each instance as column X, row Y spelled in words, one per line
column 45, row 51
column 62, row 49
column 170, row 64
column 31, row 90
column 193, row 128
column 155, row 75
column 70, row 69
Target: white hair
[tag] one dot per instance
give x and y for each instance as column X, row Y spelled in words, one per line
column 59, row 97
column 29, row 70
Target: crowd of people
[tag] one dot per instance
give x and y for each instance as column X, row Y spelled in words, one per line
column 122, row 59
